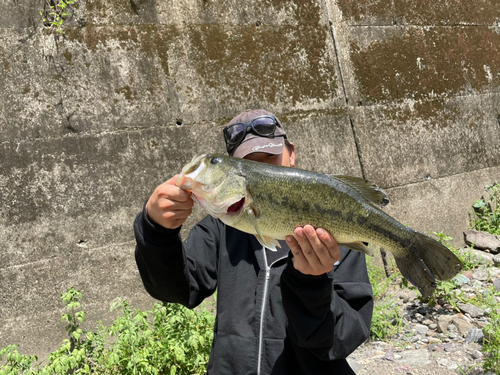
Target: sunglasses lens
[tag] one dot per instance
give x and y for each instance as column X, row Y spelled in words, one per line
column 264, row 125
column 235, row 134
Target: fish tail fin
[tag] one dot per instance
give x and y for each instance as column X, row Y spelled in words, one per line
column 428, row 260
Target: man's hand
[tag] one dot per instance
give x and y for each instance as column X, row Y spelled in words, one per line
column 314, row 251
column 169, row 205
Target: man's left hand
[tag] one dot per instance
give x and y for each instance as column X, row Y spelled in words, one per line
column 315, row 251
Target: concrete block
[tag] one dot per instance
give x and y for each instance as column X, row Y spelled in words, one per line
column 419, row 140
column 103, row 79
column 324, row 142
column 102, row 274
column 397, row 64
column 86, row 189
column 408, row 12
column 440, row 205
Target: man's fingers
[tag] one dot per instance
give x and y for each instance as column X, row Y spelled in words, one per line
column 294, row 246
column 319, row 248
column 315, row 250
column 170, row 191
column 304, row 237
column 169, row 205
column 330, row 243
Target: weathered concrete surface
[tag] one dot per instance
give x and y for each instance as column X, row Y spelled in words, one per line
column 440, row 205
column 405, row 93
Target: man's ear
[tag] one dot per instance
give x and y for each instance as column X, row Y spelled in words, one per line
column 291, row 149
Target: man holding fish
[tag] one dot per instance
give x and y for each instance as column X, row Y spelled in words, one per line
column 294, row 306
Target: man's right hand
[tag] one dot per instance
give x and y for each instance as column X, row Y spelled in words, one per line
column 169, row 205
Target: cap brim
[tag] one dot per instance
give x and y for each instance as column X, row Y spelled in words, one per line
column 253, row 144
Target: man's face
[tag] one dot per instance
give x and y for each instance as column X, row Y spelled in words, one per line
column 285, row 159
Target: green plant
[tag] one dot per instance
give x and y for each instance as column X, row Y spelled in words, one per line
column 446, row 293
column 486, row 212
column 54, row 13
column 386, row 320
column 378, row 279
column 169, row 339
column 491, row 346
column 15, row 362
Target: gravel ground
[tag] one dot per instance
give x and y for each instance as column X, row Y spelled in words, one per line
column 438, row 340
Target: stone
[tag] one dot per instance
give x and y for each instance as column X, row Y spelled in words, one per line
column 415, row 357
column 473, row 311
column 389, row 356
column 480, row 274
column 460, row 279
column 443, row 322
column 462, row 325
column 421, row 329
column 474, row 335
column 496, row 283
column 496, row 260
column 445, row 362
column 482, row 240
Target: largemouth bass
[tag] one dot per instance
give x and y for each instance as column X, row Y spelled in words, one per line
column 270, row 201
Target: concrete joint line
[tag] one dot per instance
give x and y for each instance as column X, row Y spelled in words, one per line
column 346, row 98
column 339, row 65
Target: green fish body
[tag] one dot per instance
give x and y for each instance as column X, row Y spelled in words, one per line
column 270, row 201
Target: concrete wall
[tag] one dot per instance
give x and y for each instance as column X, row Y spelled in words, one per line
column 405, row 93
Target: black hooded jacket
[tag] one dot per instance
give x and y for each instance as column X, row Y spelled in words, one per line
column 271, row 319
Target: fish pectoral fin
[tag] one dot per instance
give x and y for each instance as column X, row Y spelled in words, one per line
column 265, row 241
column 268, row 242
column 358, row 246
column 371, row 192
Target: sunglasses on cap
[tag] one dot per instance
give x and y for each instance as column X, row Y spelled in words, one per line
column 264, row 126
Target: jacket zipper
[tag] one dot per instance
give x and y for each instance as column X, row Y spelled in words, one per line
column 262, row 311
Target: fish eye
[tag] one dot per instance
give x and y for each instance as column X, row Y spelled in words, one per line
column 215, row 160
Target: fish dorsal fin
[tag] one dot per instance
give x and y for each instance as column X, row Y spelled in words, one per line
column 265, row 241
column 368, row 190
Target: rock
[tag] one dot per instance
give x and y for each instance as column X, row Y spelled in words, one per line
column 496, row 283
column 446, row 363
column 482, row 240
column 389, row 356
column 474, row 335
column 419, row 317
column 443, row 322
column 496, row 260
column 481, row 274
column 477, row 256
column 421, row 329
column 449, row 348
column 473, row 311
column 462, row 325
column 415, row 357
column 460, row 279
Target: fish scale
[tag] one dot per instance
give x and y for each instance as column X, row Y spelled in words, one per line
column 270, row 201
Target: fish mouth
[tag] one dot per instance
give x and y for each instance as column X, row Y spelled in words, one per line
column 190, row 171
column 236, row 207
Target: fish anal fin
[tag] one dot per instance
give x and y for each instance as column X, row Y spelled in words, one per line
column 268, row 242
column 371, row 192
column 358, row 246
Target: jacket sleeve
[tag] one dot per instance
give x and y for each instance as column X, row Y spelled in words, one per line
column 173, row 271
column 329, row 315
